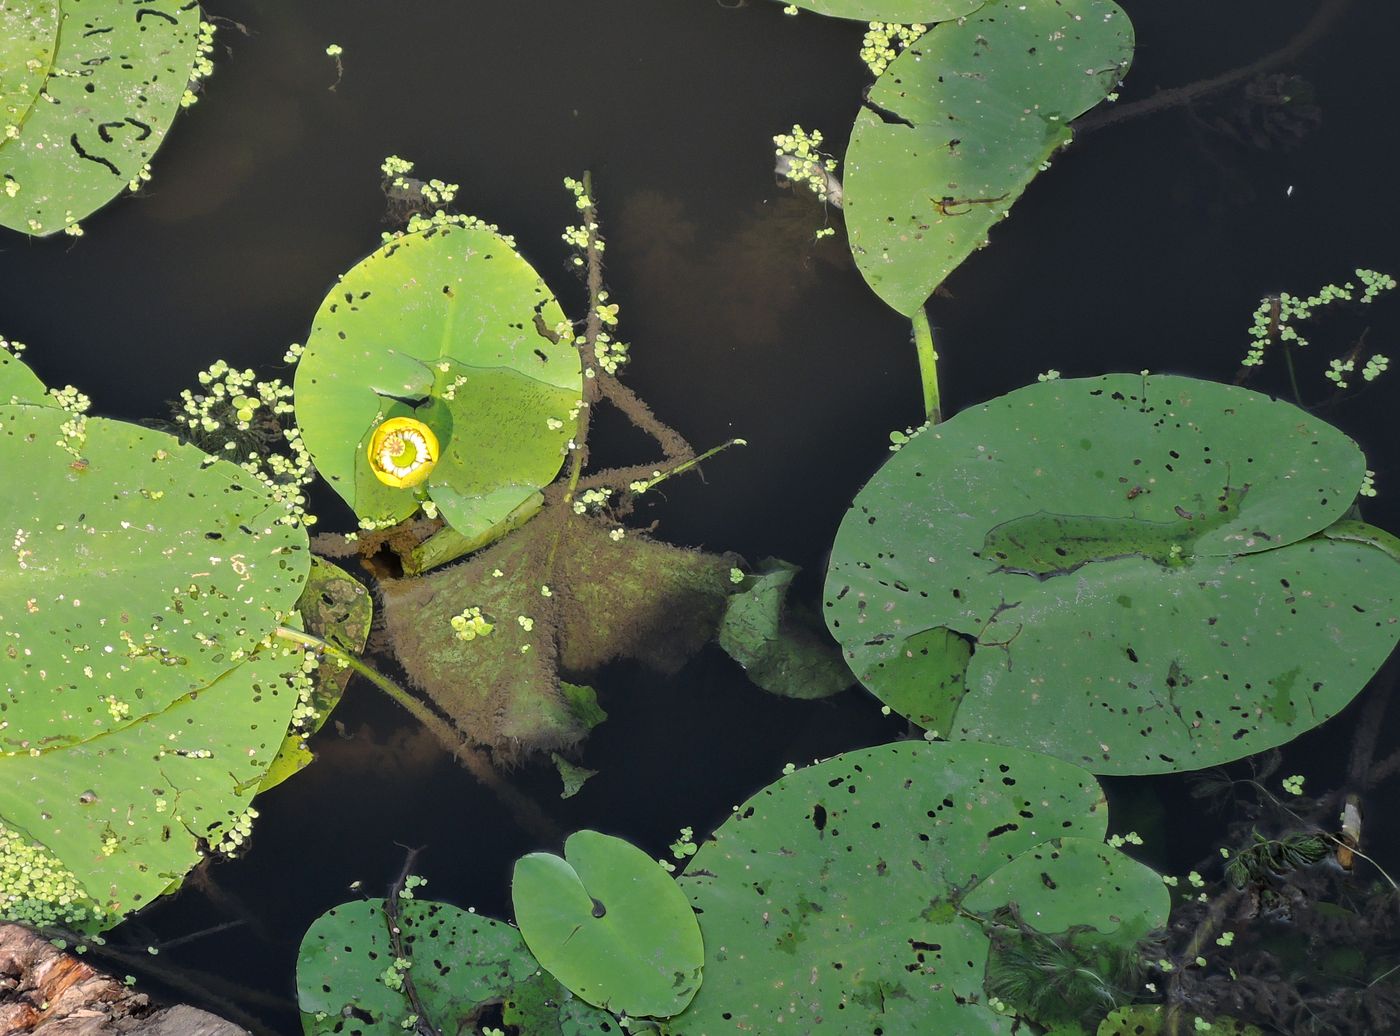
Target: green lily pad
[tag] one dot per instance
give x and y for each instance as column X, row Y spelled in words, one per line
column 609, row 924
column 846, row 896
column 129, row 812
column 119, row 70
column 139, row 570
column 960, row 123
column 1134, row 563
column 443, row 326
column 19, row 384
column 904, row 12
column 461, row 963
column 28, row 33
column 1149, row 1020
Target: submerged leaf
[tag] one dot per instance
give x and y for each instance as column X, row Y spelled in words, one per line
column 560, row 595
column 780, row 647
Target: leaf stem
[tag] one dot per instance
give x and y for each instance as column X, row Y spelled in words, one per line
column 928, row 363
column 419, row 711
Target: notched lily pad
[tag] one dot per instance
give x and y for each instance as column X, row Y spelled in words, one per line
column 1151, row 574
column 451, row 327
column 960, row 123
column 610, row 924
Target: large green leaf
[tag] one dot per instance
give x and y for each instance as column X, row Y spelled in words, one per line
column 960, row 123
column 460, row 963
column 858, row 895
column 609, row 924
column 28, row 33
column 130, row 811
column 1135, row 562
column 119, row 71
column 906, row 12
column 447, row 326
column 135, row 573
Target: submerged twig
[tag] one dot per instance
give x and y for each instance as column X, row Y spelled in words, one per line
column 423, row 1023
column 1321, row 21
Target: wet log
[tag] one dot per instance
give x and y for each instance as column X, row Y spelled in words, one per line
column 47, row 992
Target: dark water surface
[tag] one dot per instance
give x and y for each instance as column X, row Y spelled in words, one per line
column 1146, row 246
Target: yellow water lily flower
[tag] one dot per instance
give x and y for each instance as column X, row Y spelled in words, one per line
column 402, row 452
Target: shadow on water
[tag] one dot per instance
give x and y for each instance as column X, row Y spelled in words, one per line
column 1147, row 246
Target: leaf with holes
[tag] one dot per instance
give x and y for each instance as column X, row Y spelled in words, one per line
column 903, row 12
column 863, row 893
column 453, row 328
column 609, row 924
column 141, row 583
column 460, row 964
column 119, row 70
column 1150, row 573
column 960, row 123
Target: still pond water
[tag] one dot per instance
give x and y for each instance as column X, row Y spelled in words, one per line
column 1147, row 246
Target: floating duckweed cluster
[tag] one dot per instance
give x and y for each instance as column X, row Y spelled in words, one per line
column 203, row 69
column 801, row 161
column 592, row 500
column 434, row 192
column 1277, row 316
column 248, row 421
column 239, row 831
column 37, row 890
column 471, row 624
column 581, row 236
column 884, row 40
column 73, row 432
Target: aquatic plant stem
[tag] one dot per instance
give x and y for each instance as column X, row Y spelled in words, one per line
column 928, row 363
column 423, row 1026
column 526, row 812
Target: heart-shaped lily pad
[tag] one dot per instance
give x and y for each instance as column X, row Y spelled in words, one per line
column 960, row 123
column 610, row 924
column 451, row 327
column 1136, row 564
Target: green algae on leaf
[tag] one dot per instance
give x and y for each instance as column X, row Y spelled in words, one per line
column 561, row 596
column 960, row 123
column 449, row 326
column 865, row 891
column 610, row 925
column 1143, row 570
column 119, row 71
column 461, row 964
